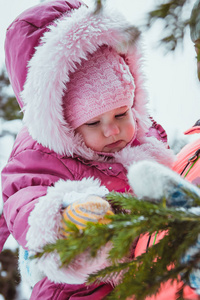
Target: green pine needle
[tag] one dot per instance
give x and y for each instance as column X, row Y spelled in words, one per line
column 142, row 276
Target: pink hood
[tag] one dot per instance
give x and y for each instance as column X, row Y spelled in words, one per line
column 53, row 38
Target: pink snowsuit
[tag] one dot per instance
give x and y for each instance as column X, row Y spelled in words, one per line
column 49, row 162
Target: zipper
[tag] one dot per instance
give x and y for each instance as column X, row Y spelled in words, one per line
column 148, row 242
column 154, row 241
column 191, row 161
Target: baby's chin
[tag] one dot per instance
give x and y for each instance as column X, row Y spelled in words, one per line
column 114, row 150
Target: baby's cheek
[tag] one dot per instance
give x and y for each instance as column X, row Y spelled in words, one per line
column 93, row 142
column 131, row 130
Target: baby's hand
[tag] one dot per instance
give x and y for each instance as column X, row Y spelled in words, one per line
column 93, row 209
column 151, row 180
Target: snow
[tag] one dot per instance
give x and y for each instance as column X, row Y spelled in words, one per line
column 11, row 243
column 23, row 292
column 11, row 127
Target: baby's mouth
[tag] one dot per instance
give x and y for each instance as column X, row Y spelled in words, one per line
column 115, row 144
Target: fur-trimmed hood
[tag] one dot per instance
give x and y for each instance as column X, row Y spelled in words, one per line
column 64, row 41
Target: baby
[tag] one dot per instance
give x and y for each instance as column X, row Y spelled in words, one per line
column 79, row 80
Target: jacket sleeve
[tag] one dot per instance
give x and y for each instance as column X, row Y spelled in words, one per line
column 25, row 179
column 35, row 187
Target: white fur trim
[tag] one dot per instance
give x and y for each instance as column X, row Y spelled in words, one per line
column 78, row 271
column 67, row 42
column 45, row 220
column 81, row 192
column 29, row 271
column 151, row 149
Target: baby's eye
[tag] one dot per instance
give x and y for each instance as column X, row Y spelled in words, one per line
column 93, row 123
column 121, row 115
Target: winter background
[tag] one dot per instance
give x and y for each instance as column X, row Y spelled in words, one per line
column 174, row 90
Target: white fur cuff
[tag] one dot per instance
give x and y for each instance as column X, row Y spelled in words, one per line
column 46, row 217
column 44, row 223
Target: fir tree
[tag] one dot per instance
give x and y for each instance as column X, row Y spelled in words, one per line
column 9, row 108
column 9, row 276
column 143, row 275
column 176, row 16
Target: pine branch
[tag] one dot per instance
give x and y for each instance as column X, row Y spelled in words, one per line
column 175, row 21
column 143, row 275
column 176, row 16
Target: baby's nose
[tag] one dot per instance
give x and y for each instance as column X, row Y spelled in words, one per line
column 111, row 129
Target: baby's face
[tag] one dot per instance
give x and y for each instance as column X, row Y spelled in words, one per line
column 110, row 131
